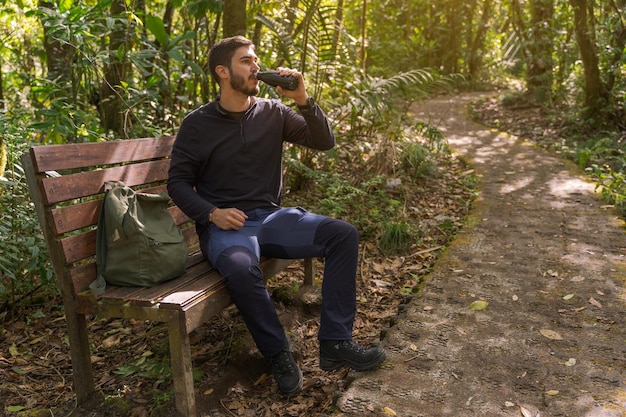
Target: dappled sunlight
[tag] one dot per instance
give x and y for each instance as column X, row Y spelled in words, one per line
column 477, row 150
column 513, row 186
column 564, row 185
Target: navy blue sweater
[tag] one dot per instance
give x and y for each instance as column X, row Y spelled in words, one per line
column 219, row 161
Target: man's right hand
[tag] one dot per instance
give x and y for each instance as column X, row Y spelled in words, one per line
column 229, row 218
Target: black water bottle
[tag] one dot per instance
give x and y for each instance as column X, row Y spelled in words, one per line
column 275, row 80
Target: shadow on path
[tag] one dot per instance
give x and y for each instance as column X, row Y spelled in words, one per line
column 549, row 259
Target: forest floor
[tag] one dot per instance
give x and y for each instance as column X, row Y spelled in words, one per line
column 35, row 371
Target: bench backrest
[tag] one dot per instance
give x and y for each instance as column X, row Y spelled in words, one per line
column 67, row 185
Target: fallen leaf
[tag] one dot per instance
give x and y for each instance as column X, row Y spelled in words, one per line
column 570, row 362
column 509, row 404
column 111, row 341
column 381, row 283
column 208, row 392
column 525, row 412
column 552, row 392
column 13, row 350
column 568, row 296
column 15, row 408
column 389, row 411
column 595, row 302
column 551, row 334
column 478, row 305
column 577, row 278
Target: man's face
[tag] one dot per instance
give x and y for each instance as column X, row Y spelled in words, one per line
column 243, row 65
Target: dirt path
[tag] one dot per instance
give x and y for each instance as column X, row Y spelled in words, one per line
column 550, row 261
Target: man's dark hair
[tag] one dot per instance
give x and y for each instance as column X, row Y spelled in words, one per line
column 222, row 53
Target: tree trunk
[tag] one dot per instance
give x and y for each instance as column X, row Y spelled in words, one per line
column 477, row 43
column 115, row 70
column 337, row 27
column 450, row 44
column 617, row 39
column 363, row 37
column 596, row 95
column 540, row 66
column 59, row 54
column 234, row 18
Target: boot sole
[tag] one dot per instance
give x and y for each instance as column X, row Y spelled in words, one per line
column 327, row 364
column 297, row 388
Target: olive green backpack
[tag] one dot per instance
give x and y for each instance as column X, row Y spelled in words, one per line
column 138, row 243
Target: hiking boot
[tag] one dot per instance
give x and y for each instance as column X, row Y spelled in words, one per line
column 286, row 372
column 336, row 353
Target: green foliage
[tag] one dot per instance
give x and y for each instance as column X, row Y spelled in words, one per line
column 24, row 263
column 57, row 118
column 419, row 158
column 364, row 206
column 603, row 156
column 412, row 285
column 612, row 185
column 145, row 366
column 396, row 238
column 374, row 101
column 415, row 160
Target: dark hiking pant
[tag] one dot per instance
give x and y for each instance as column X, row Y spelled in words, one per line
column 288, row 233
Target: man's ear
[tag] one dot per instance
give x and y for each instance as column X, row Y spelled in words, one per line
column 221, row 71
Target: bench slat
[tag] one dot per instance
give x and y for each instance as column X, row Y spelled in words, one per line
column 89, row 183
column 149, row 296
column 81, row 155
column 192, row 291
column 69, row 218
column 79, row 247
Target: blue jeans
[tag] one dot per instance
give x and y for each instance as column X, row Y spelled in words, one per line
column 288, row 233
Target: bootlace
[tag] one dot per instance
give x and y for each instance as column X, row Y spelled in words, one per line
column 355, row 347
column 282, row 364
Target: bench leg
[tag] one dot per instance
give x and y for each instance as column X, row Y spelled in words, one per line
column 81, row 355
column 182, row 371
column 309, row 271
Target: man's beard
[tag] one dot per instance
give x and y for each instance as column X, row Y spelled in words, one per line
column 238, row 83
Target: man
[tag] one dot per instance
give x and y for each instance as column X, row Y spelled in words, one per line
column 225, row 174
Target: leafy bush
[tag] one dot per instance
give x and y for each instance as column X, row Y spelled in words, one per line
column 397, row 238
column 24, row 262
column 612, row 185
column 419, row 156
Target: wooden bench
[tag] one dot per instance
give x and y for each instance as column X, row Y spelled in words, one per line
column 66, row 183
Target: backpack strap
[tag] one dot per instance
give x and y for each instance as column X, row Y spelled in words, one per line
column 98, row 286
